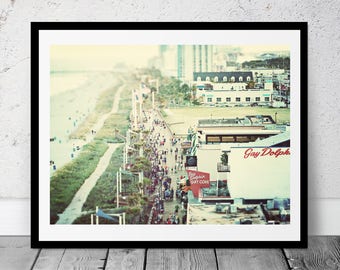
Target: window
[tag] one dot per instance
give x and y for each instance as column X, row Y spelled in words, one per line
column 209, row 99
column 207, row 79
column 225, row 79
column 248, row 99
column 216, row 79
column 213, row 139
column 238, row 99
column 218, row 99
column 240, row 138
column 248, row 78
column 240, row 79
column 199, row 79
column 232, row 79
column 257, row 99
column 228, row 139
column 228, row 99
column 266, row 99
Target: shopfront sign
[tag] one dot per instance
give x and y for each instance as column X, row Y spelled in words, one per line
column 198, row 180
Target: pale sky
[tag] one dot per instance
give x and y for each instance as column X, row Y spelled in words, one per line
column 93, row 57
column 105, row 57
column 250, row 52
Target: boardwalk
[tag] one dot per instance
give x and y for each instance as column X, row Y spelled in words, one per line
column 323, row 254
column 171, row 162
column 73, row 211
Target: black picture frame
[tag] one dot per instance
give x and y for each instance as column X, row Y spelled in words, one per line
column 38, row 197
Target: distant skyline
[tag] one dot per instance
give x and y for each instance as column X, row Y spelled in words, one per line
column 106, row 57
column 252, row 52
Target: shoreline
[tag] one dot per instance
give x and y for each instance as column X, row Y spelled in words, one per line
column 68, row 110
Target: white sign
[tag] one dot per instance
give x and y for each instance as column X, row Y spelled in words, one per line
column 259, row 173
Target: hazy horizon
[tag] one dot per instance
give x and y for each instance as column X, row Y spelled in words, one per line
column 107, row 57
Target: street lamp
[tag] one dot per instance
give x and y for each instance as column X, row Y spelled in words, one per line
column 153, row 93
column 276, row 118
column 127, row 142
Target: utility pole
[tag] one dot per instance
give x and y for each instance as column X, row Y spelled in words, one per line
column 153, row 93
column 117, row 188
column 134, row 107
column 120, row 179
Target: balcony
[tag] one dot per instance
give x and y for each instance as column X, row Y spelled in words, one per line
column 223, row 168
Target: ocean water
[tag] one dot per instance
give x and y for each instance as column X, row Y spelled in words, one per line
column 65, row 81
column 73, row 95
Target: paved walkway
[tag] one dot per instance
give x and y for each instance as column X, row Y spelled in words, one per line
column 99, row 124
column 73, row 211
column 171, row 162
column 169, row 206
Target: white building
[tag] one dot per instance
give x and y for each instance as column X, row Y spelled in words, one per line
column 232, row 89
column 236, row 97
column 258, row 157
column 259, row 173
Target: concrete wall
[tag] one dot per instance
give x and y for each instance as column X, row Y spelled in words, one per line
column 323, row 92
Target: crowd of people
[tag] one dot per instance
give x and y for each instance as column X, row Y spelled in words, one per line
column 166, row 161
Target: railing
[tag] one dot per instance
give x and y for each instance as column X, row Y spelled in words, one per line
column 223, row 168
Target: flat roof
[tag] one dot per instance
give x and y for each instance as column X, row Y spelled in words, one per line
column 218, row 132
column 204, row 214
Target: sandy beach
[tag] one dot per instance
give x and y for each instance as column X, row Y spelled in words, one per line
column 73, row 96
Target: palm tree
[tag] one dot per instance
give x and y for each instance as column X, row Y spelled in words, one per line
column 194, row 91
column 224, row 158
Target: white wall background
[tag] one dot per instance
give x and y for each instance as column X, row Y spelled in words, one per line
column 323, row 89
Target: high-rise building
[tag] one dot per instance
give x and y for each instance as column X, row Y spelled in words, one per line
column 182, row 61
column 168, row 60
column 193, row 58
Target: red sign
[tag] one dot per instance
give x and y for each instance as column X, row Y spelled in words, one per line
column 272, row 152
column 198, row 180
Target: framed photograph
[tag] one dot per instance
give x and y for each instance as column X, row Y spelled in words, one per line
column 159, row 133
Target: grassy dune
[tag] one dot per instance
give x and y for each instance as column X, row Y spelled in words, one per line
column 106, row 185
column 67, row 180
column 103, row 106
column 113, row 122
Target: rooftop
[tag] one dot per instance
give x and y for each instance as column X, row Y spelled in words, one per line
column 249, row 120
column 206, row 214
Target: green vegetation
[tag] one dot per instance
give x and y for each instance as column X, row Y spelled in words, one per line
column 84, row 127
column 86, row 218
column 125, row 103
column 133, row 215
column 104, row 193
column 67, row 180
column 103, row 106
column 141, row 164
column 279, row 62
column 113, row 122
column 171, row 90
column 163, row 113
column 196, row 102
column 224, row 158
